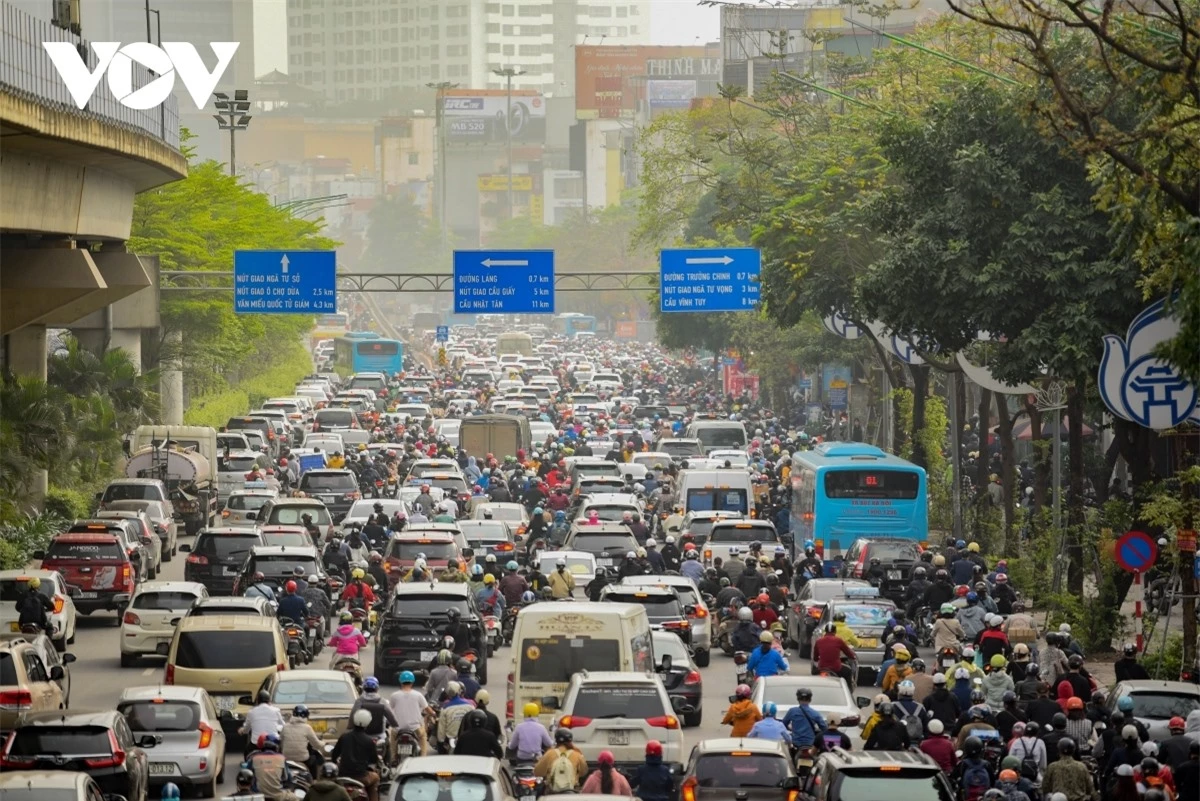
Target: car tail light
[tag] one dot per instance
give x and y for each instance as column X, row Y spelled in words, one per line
column 815, row 612
column 688, row 790
column 663, row 722
column 508, row 709
column 197, row 559
column 18, row 700
column 701, row 611
column 58, row 604
column 571, row 721
column 858, row 566
column 793, row 795
column 224, row 513
column 206, row 734
column 676, row 624
column 131, row 619
column 353, row 496
column 692, row 678
column 116, row 760
column 127, row 576
column 707, row 554
column 7, row 761
column 169, row 674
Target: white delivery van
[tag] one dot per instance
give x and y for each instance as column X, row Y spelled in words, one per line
column 715, row 491
column 555, row 639
column 717, row 434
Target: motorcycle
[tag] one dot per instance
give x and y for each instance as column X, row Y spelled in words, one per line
column 313, row 635
column 349, row 664
column 491, row 624
column 355, row 789
column 297, row 643
column 803, row 757
column 741, row 667
column 529, row 786
column 407, row 745
column 725, row 635
column 509, row 624
column 947, row 658
column 924, row 620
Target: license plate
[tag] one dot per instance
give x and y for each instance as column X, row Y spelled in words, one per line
column 618, row 738
column 328, row 498
column 225, row 702
column 162, row 768
column 230, row 571
column 868, row 642
column 427, row 656
column 88, row 595
column 319, row 726
column 404, row 750
column 893, row 575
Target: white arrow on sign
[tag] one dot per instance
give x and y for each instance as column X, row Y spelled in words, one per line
column 709, row 260
column 284, row 263
column 505, row 263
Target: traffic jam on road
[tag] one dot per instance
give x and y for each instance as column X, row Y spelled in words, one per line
column 528, row 560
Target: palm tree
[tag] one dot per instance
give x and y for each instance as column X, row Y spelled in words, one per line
column 80, row 372
column 34, row 431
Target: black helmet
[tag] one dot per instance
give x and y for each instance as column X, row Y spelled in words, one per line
column 563, row 736
column 328, row 770
column 918, row 665
column 830, row 628
column 1032, row 670
column 1059, row 721
column 476, row 719
column 973, row 747
column 1032, row 729
column 263, row 697
column 300, row 711
column 772, row 579
column 1150, row 766
column 804, row 694
column 977, row 696
column 245, row 777
column 1066, row 747
column 1009, row 697
column 919, row 573
column 453, row 614
column 941, row 575
column 875, row 560
column 886, row 710
column 724, row 581
column 976, row 713
column 463, row 665
column 1130, row 649
column 1075, row 662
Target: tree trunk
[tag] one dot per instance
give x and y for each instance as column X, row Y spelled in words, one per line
column 1008, row 471
column 1041, row 464
column 982, row 461
column 1075, row 566
column 920, row 377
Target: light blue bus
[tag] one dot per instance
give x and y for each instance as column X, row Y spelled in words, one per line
column 845, row 490
column 575, row 324
column 360, row 354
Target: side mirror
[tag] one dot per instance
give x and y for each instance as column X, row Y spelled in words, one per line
column 863, row 703
column 56, row 673
column 40, row 555
column 791, row 783
column 665, row 665
column 185, row 547
column 689, row 610
column 549, row 702
column 149, row 741
column 246, row 700
column 68, row 658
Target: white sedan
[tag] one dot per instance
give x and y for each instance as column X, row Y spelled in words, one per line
column 362, row 510
column 15, row 583
column 153, row 612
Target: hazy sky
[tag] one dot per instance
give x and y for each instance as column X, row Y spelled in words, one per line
column 671, row 22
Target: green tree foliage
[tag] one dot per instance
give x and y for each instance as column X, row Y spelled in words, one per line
column 197, row 224
column 401, row 239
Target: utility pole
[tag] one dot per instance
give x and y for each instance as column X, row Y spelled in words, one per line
column 440, row 114
column 508, row 73
column 148, row 39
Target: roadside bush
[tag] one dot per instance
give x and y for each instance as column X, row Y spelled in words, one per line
column 68, row 504
column 1164, row 662
column 215, row 409
column 25, row 534
column 288, row 366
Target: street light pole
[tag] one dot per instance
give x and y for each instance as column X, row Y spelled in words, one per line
column 162, row 109
column 508, row 73
column 440, row 115
column 148, row 39
column 231, row 116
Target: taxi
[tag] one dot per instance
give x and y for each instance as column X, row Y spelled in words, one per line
column 867, row 615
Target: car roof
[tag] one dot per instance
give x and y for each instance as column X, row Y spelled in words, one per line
column 85, row 536
column 474, row 765
column 299, row 502
column 230, row 531
column 251, row 601
column 1155, row 685
column 134, row 481
column 312, row 675
column 284, row 550
column 872, row 759
column 167, row 585
column 433, row 587
column 424, row 534
column 610, row 589
column 71, row 717
column 650, row 581
column 754, row 745
column 243, row 453
column 615, row 677
column 170, row 692
column 603, row 528
column 231, row 620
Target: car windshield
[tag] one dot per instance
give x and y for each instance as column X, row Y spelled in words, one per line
column 235, row 464
column 603, row 543
column 225, row 649
column 611, row 514
column 285, row 538
column 60, row 549
column 733, row 436
column 225, row 546
column 509, row 514
column 335, row 417
column 132, row 492
column 894, row 786
column 293, row 516
column 741, row 770
column 15, row 588
column 577, row 565
column 784, row 693
column 431, row 467
column 447, row 483
column 452, row 787
column 556, row 659
column 1159, row 705
column 618, row 701
column 210, row 611
column 246, row 503
column 284, row 564
column 313, row 692
column 423, row 607
column 590, row 486
column 865, row 615
column 603, row 469
column 680, row 448
column 160, row 714
column 165, row 601
column 410, row 549
column 8, row 671
column 741, row 534
column 658, row 607
column 316, row 482
column 60, row 741
column 895, row 551
column 364, row 509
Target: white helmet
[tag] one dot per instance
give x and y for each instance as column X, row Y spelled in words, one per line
column 907, row 689
column 650, row 543
column 670, row 540
column 745, row 614
column 1064, row 628
column 362, row 718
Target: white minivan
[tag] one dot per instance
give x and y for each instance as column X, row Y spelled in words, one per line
column 555, row 639
column 715, row 491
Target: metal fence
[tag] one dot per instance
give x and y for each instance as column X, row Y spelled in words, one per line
column 26, row 71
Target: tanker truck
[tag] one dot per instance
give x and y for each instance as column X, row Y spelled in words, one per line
column 188, row 477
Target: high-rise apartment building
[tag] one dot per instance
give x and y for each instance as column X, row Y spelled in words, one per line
column 364, row 50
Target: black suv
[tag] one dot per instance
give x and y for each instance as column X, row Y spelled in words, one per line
column 662, row 605
column 277, row 563
column 873, row 774
column 217, row 556
column 897, row 558
column 337, row 489
column 412, row 625
column 97, row 743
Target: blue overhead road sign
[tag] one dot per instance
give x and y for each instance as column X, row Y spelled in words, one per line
column 443, row 333
column 709, row 279
column 285, row 281
column 504, row 281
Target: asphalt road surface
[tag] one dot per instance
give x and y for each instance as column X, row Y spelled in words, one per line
column 98, row 678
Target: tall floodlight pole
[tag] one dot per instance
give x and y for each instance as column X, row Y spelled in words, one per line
column 508, row 73
column 232, row 116
column 440, row 115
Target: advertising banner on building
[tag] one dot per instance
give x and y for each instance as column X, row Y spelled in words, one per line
column 670, row 94
column 477, row 116
column 611, row 80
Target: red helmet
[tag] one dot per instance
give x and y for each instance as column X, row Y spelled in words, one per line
column 290, row 586
column 742, row 691
column 961, row 590
column 607, row 758
column 1176, row 724
column 1074, row 702
column 654, row 748
column 763, row 598
column 283, row 462
column 689, row 546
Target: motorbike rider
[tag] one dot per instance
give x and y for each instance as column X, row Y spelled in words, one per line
column 671, row 555
column 347, row 640
column 358, row 594
column 490, row 600
column 334, row 557
column 745, row 634
column 827, row 653
column 750, row 582
column 941, row 703
column 299, row 743
column 888, row 734
column 529, row 739
column 355, row 755
column 804, row 722
column 561, row 581
column 326, row 787
column 782, row 566
column 914, row 594
column 770, row 727
column 450, row 718
column 259, row 588
column 742, row 713
column 383, row 722
column 377, row 572
column 466, row 678
column 658, row 565
column 765, row 660
column 941, row 591
column 513, row 585
column 652, row 781
column 33, row 608
column 291, row 605
column 317, row 602
column 972, row 617
column 262, row 719
column 482, row 699
column 458, row 629
column 442, row 674
column 564, row 747
column 476, row 739
column 1127, row 667
column 693, row 568
column 270, row 769
column 728, row 595
column 411, row 710
column 777, row 595
column 843, row 629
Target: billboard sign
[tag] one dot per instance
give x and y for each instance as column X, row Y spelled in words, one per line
column 499, row 183
column 670, row 94
column 476, row 116
column 611, row 80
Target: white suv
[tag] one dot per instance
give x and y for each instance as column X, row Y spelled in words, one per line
column 621, row 712
column 153, row 612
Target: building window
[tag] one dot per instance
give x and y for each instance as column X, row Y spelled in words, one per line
column 530, row 50
column 633, row 29
column 508, row 30
column 600, row 11
column 529, row 11
column 493, row 27
column 622, row 31
column 507, row 11
column 414, row 159
column 633, row 11
column 622, row 11
column 492, row 8
column 493, row 47
column 509, row 50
